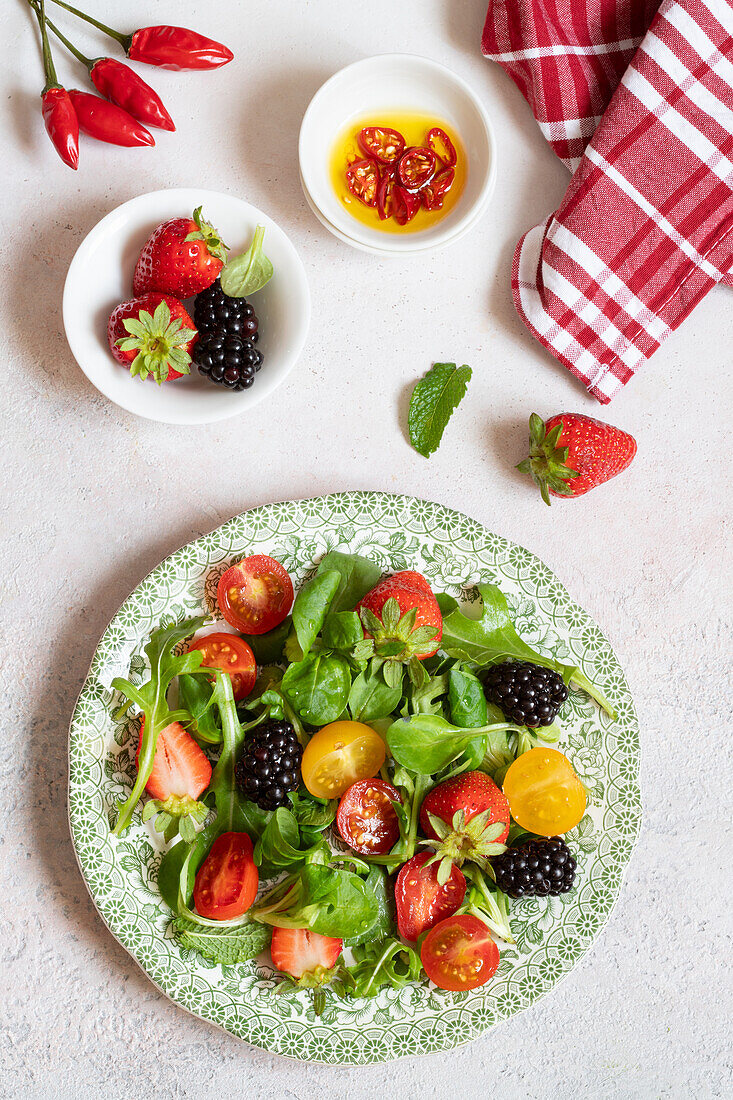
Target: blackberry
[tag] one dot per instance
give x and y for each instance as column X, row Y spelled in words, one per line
column 537, row 868
column 227, row 359
column 215, row 311
column 270, row 766
column 527, row 694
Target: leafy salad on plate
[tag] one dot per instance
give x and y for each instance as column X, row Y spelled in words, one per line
column 359, row 778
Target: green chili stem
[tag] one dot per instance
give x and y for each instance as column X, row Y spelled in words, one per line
column 123, row 39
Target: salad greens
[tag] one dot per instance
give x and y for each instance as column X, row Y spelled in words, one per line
column 434, row 400
column 248, row 272
column 315, row 668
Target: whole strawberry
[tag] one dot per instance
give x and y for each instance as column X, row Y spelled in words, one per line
column 182, row 257
column 572, row 453
column 152, row 335
column 466, row 817
column 402, row 616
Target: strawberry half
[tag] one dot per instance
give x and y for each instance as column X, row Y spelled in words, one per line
column 402, row 616
column 181, row 770
column 299, row 952
column 572, row 453
column 152, row 335
column 181, row 257
column 465, row 818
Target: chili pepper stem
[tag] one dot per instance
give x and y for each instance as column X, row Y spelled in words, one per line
column 48, row 65
column 125, row 40
column 88, row 61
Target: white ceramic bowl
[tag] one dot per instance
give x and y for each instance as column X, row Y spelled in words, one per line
column 100, row 276
column 378, row 86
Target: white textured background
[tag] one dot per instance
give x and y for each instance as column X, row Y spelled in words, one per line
column 94, row 498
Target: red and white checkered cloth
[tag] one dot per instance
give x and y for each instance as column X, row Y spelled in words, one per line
column 636, row 96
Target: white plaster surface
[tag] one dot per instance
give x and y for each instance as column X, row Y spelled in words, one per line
column 94, row 498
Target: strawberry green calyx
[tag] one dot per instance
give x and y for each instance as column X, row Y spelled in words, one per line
column 206, row 232
column 547, row 463
column 159, row 342
column 176, row 816
column 475, row 840
column 395, row 638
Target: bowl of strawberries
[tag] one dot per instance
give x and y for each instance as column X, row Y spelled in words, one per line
column 186, row 306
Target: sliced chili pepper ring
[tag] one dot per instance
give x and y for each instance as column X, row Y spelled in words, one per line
column 405, row 205
column 382, row 143
column 434, row 193
column 416, row 167
column 362, row 177
column 446, row 150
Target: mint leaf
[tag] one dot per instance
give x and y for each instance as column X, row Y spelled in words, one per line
column 433, row 402
column 249, row 272
column 223, row 945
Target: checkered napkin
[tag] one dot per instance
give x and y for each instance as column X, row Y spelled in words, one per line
column 636, row 96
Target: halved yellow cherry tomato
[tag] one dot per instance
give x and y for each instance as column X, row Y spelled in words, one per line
column 340, row 754
column 545, row 795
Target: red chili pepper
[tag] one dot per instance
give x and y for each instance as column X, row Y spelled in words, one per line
column 168, row 47
column 177, row 48
column 108, row 122
column 59, row 116
column 62, row 124
column 121, row 85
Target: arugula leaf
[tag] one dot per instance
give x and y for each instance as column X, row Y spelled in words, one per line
column 376, row 881
column 342, row 630
column 324, row 899
column 313, row 813
column 180, row 863
column 196, row 694
column 249, row 272
column 370, row 696
column 317, row 688
column 268, row 648
column 493, row 638
column 466, row 699
column 358, row 576
column 223, row 945
column 283, row 844
column 379, row 964
column 433, row 401
column 427, row 743
column 151, row 698
column 311, row 607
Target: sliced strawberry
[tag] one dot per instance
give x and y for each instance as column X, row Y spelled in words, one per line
column 180, row 768
column 298, row 951
column 421, row 900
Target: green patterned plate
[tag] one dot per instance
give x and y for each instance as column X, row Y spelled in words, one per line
column 453, row 551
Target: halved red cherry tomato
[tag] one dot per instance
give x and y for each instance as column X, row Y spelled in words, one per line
column 459, row 954
column 434, row 193
column 420, row 899
column 255, row 595
column 362, row 176
column 367, row 819
column 231, row 654
column 405, row 205
column 382, row 143
column 226, row 882
column 442, row 146
column 416, row 167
